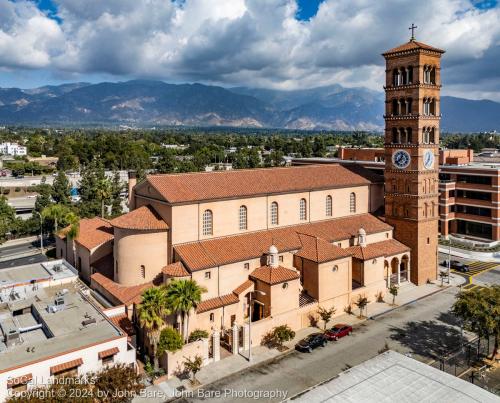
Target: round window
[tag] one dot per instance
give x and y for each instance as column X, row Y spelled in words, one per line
column 335, row 268
column 285, row 286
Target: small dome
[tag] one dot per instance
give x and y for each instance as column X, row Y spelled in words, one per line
column 273, row 250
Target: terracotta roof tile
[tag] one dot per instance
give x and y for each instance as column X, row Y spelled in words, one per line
column 412, row 45
column 217, row 302
column 143, row 218
column 124, row 323
column 243, row 287
column 92, row 233
column 108, row 353
column 124, row 294
column 66, row 365
column 318, row 250
column 216, row 252
column 104, row 265
column 378, row 249
column 179, row 188
column 11, row 382
column 274, row 275
column 176, row 269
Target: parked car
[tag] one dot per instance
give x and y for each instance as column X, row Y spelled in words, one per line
column 338, row 331
column 309, row 343
column 457, row 265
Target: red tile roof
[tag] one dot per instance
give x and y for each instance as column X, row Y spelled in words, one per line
column 123, row 294
column 143, row 218
column 412, row 45
column 274, row 275
column 389, row 247
column 217, row 302
column 243, row 287
column 104, row 265
column 217, row 252
column 180, row 188
column 318, row 250
column 176, row 269
column 92, row 233
column 11, row 382
column 66, row 365
column 124, row 323
column 108, row 353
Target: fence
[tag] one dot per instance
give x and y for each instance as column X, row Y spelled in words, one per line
column 461, row 363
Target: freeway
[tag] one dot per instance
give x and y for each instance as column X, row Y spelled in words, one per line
column 423, row 329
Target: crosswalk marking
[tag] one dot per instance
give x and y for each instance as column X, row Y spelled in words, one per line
column 478, row 267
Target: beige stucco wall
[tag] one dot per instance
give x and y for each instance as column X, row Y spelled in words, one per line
column 135, row 248
column 285, row 299
column 186, row 223
column 334, row 283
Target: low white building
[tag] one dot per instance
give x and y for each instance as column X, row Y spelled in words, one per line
column 13, row 149
column 393, row 377
column 49, row 328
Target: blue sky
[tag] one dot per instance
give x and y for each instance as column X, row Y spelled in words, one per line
column 284, row 44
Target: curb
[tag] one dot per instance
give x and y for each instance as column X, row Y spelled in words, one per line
column 291, row 350
column 240, row 371
column 410, row 302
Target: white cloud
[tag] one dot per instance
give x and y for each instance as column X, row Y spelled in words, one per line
column 251, row 42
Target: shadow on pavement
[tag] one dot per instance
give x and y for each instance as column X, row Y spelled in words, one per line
column 427, row 338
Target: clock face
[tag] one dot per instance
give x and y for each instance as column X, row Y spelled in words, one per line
column 401, row 159
column 428, row 159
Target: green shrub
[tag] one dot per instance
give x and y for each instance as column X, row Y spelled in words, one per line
column 170, row 340
column 277, row 336
column 18, row 189
column 6, row 191
column 197, row 334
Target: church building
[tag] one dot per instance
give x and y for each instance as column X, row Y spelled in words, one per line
column 303, row 236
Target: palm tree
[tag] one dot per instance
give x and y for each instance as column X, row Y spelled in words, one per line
column 103, row 192
column 74, row 230
column 152, row 311
column 56, row 213
column 182, row 297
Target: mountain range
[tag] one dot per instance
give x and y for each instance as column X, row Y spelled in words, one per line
column 156, row 103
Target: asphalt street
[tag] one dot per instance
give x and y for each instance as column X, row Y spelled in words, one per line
column 22, row 253
column 424, row 329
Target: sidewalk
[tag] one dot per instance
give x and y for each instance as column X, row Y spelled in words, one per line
column 408, row 293
column 20, row 241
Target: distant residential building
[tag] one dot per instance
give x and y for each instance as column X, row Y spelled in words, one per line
column 13, row 149
column 44, row 160
column 174, row 146
column 219, row 166
column 50, row 328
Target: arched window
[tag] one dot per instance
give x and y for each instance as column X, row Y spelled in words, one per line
column 395, row 107
column 208, row 227
column 352, row 202
column 274, row 213
column 143, row 271
column 432, row 139
column 303, row 210
column 243, row 218
column 329, row 211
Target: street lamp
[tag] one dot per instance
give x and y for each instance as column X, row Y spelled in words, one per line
column 250, row 321
column 449, row 259
column 41, row 231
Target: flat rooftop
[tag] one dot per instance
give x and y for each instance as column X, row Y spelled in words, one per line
column 36, row 272
column 393, row 377
column 48, row 322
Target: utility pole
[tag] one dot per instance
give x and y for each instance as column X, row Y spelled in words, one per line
column 41, row 230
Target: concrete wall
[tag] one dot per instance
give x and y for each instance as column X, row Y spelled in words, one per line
column 173, row 362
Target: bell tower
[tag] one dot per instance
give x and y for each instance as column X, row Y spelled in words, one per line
column 412, row 114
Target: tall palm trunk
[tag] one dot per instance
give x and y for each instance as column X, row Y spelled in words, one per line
column 102, row 208
column 55, row 225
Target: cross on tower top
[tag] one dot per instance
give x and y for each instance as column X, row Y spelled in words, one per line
column 412, row 28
